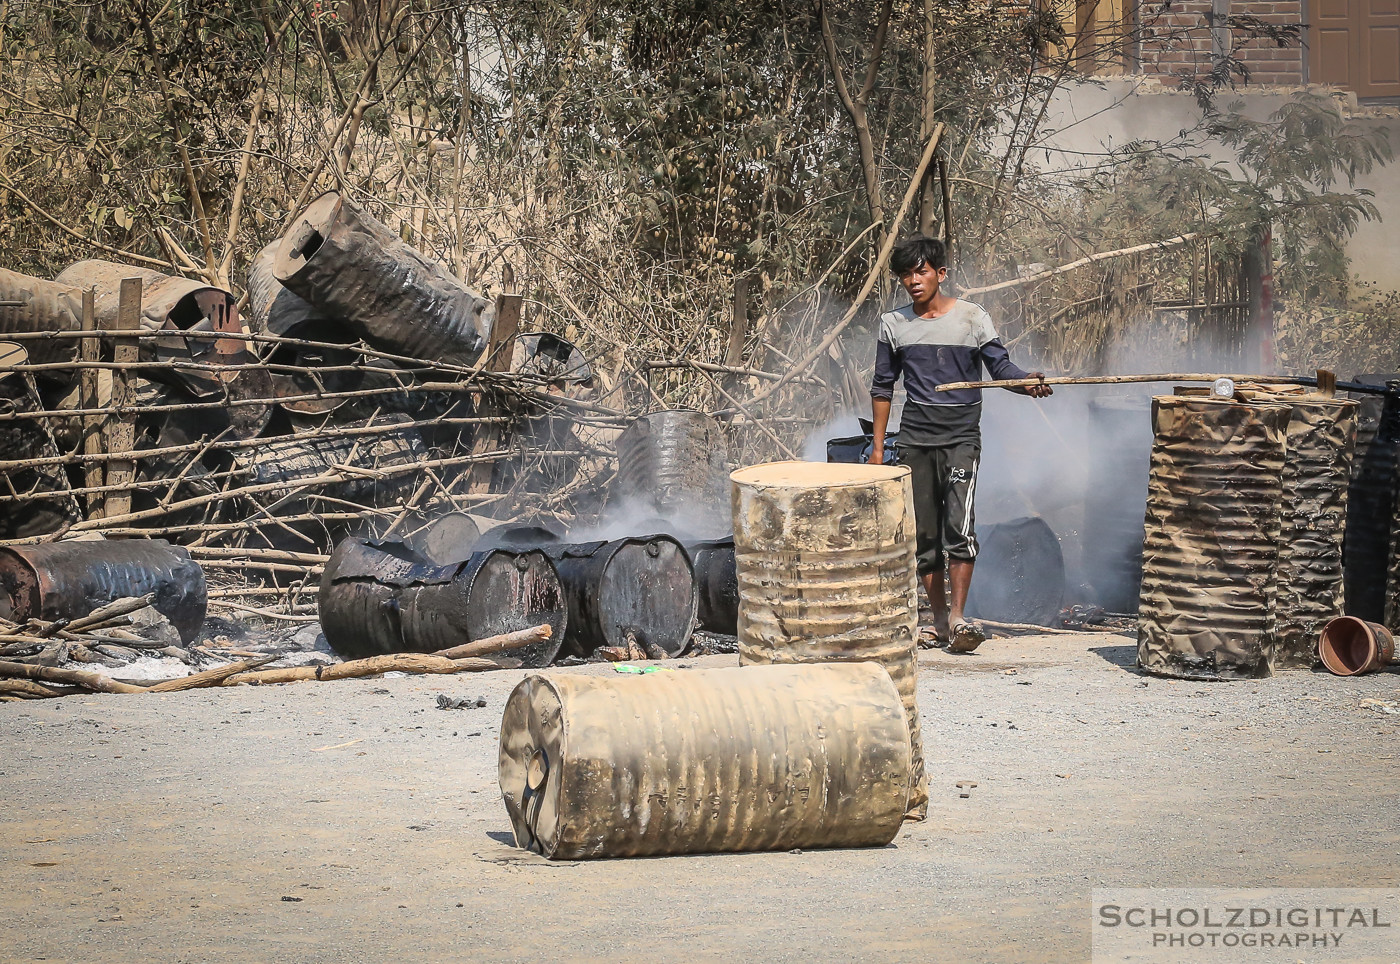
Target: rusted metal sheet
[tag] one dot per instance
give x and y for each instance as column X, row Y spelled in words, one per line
column 1371, row 501
column 676, row 464
column 1121, row 427
column 174, row 305
column 1212, row 531
column 46, row 306
column 29, row 439
column 349, row 265
column 705, row 761
column 1020, row 574
column 68, row 580
column 381, row 597
column 825, row 557
column 1316, row 472
column 642, row 587
column 716, row 584
column 274, row 310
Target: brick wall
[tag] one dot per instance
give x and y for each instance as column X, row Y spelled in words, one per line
column 1178, row 41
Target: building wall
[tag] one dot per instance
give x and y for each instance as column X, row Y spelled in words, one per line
column 1181, row 41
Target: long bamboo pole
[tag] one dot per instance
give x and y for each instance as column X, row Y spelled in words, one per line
column 1163, row 377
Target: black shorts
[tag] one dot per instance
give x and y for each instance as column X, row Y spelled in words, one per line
column 944, row 482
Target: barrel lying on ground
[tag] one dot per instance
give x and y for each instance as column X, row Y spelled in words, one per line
column 705, row 761
column 1211, row 547
column 641, row 587
column 381, row 597
column 1316, row 470
column 825, row 559
column 68, row 580
column 349, row 265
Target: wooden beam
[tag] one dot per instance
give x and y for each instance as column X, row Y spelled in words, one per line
column 121, row 427
column 90, row 350
column 497, row 358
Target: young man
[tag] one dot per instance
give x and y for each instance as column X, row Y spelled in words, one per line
column 935, row 340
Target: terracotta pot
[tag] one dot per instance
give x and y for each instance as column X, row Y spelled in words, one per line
column 1350, row 646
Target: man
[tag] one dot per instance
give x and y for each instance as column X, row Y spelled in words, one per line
column 934, row 340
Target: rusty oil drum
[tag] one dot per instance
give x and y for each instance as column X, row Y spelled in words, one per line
column 381, row 597
column 705, row 761
column 675, row 464
column 825, row 559
column 1316, row 473
column 642, row 586
column 1115, row 495
column 1211, row 547
column 68, row 580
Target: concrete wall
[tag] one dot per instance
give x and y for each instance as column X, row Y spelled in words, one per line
column 1090, row 117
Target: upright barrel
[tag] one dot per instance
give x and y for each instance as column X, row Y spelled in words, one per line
column 1316, row 473
column 1371, row 504
column 717, row 584
column 674, row 464
column 1211, row 546
column 825, row 559
column 1121, row 436
column 705, row 761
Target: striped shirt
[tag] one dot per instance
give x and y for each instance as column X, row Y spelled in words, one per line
column 930, row 352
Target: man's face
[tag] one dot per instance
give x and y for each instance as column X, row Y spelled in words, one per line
column 922, row 282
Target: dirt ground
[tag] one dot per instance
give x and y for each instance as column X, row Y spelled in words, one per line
column 355, row 821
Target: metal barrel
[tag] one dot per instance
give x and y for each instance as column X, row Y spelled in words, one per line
column 29, row 439
column 274, row 310
column 44, row 306
column 349, row 265
column 1121, row 433
column 705, row 761
column 449, row 538
column 174, row 305
column 1316, row 474
column 1020, row 574
column 675, row 463
column 68, row 580
column 716, row 585
column 825, row 560
column 643, row 587
column 381, row 597
column 1371, row 502
column 1212, row 530
column 522, row 535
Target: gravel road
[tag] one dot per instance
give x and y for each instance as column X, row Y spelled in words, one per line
column 355, row 821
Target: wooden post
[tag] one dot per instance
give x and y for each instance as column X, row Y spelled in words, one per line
column 1326, row 383
column 497, row 358
column 121, row 427
column 90, row 350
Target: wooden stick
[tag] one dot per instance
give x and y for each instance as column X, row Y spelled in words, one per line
column 1100, row 256
column 1050, row 630
column 1126, row 380
column 88, row 397
column 102, row 614
column 498, row 644
column 727, row 370
column 30, row 688
column 373, row 666
column 210, row 677
column 876, row 270
column 75, row 677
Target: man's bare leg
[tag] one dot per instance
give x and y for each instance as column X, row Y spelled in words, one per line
column 938, row 602
column 960, row 575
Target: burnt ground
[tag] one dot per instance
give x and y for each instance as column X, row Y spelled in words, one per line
column 355, row 821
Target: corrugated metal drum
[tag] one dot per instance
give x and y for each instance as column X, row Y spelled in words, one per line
column 705, row 761
column 1371, row 503
column 1316, row 470
column 1211, row 547
column 825, row 558
column 675, row 463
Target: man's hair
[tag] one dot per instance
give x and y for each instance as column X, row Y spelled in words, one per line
column 910, row 253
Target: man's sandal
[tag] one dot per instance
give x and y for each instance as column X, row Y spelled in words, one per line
column 930, row 639
column 967, row 636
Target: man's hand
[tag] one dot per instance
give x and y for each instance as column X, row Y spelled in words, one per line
column 1039, row 391
column 877, row 455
